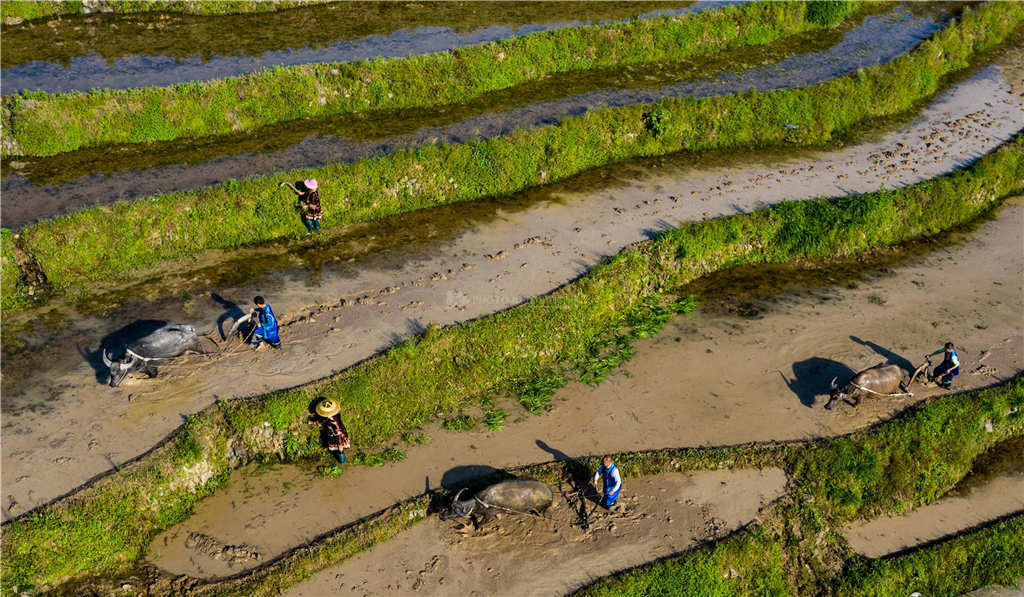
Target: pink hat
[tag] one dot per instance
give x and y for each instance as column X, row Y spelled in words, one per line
column 310, row 184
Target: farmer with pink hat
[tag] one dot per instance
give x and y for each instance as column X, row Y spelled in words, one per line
column 309, row 202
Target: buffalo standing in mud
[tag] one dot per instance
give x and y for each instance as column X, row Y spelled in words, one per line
column 170, row 341
column 885, row 380
column 520, row 496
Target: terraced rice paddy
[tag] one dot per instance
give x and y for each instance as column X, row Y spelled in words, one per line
column 663, row 257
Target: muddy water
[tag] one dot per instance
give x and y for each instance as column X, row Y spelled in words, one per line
column 716, row 377
column 451, row 274
column 36, row 189
column 661, row 515
column 995, row 488
column 126, row 51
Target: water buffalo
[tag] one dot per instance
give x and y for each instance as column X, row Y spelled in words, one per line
column 880, row 379
column 516, row 495
column 171, row 340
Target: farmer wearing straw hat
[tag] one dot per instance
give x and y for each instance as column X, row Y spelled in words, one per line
column 309, row 202
column 334, row 433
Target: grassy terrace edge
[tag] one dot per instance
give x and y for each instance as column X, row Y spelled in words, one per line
column 106, row 526
column 897, row 465
column 40, row 124
column 109, row 242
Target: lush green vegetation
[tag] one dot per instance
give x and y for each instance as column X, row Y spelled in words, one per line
column 10, row 273
column 36, row 9
column 110, row 242
column 43, row 124
column 445, row 371
column 907, row 462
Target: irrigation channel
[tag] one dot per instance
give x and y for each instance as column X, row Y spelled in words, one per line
column 750, row 365
column 40, row 188
column 346, row 297
column 156, row 49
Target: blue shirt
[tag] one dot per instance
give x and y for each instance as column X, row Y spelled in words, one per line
column 267, row 323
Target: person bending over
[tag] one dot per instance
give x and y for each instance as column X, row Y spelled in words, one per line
column 948, row 368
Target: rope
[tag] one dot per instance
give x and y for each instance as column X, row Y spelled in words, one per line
column 486, row 505
column 879, row 393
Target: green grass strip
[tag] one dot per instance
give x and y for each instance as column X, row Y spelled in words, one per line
column 38, row 9
column 910, row 461
column 107, row 526
column 40, row 124
column 107, row 243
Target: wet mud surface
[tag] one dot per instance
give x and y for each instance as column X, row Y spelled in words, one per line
column 720, row 376
column 340, row 310
column 38, row 189
column 993, row 489
column 125, row 51
column 574, row 542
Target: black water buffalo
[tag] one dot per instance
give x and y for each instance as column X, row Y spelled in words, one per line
column 520, row 496
column 169, row 341
column 880, row 379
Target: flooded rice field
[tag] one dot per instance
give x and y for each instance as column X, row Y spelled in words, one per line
column 156, row 49
column 339, row 311
column 41, row 188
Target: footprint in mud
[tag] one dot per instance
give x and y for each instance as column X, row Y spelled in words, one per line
column 212, row 548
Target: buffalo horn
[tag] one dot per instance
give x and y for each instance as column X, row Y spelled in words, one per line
column 834, row 384
column 459, row 494
column 107, row 360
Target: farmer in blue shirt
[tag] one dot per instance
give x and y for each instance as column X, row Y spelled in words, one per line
column 611, row 481
column 949, row 367
column 266, row 324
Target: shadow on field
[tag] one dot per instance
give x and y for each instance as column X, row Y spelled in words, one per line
column 891, row 358
column 812, row 377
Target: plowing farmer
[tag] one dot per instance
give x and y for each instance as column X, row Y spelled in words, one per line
column 611, row 481
column 949, row 367
column 334, row 433
column 266, row 324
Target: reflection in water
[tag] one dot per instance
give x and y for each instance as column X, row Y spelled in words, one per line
column 156, row 49
column 36, row 190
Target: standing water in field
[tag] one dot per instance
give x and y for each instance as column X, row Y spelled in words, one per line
column 38, row 189
column 127, row 51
